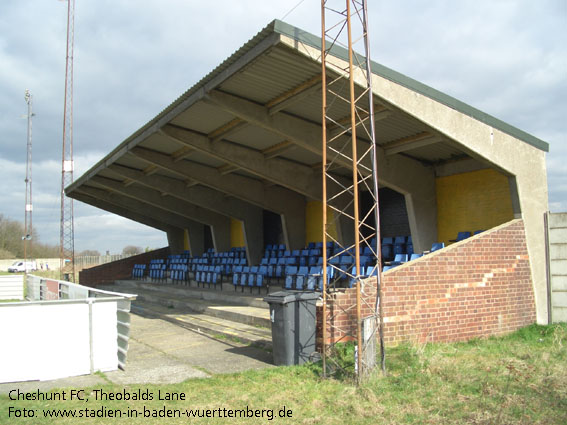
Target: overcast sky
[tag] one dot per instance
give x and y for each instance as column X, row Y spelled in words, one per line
column 135, row 57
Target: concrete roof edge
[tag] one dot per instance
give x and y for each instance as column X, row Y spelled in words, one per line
column 131, row 140
column 418, row 87
column 277, row 27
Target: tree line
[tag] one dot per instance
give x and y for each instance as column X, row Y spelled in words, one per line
column 12, row 244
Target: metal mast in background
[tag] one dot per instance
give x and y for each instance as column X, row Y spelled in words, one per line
column 67, row 244
column 349, row 170
column 28, row 228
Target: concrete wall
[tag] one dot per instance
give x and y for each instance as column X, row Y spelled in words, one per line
column 557, row 265
column 122, row 269
column 477, row 200
column 314, row 222
column 518, row 159
column 474, row 288
column 236, row 233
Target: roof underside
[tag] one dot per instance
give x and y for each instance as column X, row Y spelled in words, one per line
column 250, row 123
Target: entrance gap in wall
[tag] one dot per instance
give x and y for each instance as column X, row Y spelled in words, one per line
column 208, row 238
column 273, row 232
column 393, row 213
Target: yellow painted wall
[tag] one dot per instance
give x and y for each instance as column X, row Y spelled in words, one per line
column 314, row 222
column 236, row 233
column 478, row 200
column 186, row 239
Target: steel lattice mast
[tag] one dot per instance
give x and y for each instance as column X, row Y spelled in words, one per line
column 67, row 244
column 28, row 230
column 349, row 142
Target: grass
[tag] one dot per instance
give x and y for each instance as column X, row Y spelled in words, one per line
column 516, row 379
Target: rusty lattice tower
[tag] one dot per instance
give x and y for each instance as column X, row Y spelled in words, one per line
column 349, row 169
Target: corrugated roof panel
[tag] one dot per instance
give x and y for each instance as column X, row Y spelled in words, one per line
column 398, row 78
column 132, row 162
column 205, row 159
column 397, row 126
column 437, row 152
column 244, row 173
column 308, row 107
column 254, row 137
column 301, row 156
column 270, row 77
column 158, row 142
column 202, row 117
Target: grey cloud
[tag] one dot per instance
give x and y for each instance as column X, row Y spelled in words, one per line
column 133, row 58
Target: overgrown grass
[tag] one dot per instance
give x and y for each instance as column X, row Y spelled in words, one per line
column 517, row 379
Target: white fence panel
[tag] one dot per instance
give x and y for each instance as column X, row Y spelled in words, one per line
column 12, row 287
column 64, row 337
column 557, row 265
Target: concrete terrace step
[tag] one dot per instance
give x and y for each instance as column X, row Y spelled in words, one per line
column 213, row 326
column 227, row 295
column 225, row 307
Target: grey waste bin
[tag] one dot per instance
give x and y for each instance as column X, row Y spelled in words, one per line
column 293, row 317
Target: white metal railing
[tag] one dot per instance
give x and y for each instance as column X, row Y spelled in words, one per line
column 79, row 329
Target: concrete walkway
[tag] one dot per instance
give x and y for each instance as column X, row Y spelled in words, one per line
column 161, row 352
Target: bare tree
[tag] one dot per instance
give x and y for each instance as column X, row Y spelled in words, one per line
column 132, row 250
column 89, row 253
column 11, row 244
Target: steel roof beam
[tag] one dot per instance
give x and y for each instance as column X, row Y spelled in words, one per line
column 213, row 200
column 290, row 205
column 199, row 195
column 276, row 199
column 296, row 177
column 420, row 140
column 124, row 212
column 162, row 201
column 131, row 204
column 307, row 135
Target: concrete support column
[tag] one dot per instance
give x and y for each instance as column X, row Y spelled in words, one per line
column 175, row 240
column 196, row 233
column 532, row 190
column 422, row 216
column 220, row 231
column 253, row 230
column 293, row 226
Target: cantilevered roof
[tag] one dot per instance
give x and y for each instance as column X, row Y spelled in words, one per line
column 250, row 133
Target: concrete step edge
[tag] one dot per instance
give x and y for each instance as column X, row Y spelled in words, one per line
column 213, row 295
column 217, row 310
column 210, row 328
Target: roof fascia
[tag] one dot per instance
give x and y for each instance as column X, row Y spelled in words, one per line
column 418, row 87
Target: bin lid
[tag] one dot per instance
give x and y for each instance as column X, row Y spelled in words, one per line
column 285, row 297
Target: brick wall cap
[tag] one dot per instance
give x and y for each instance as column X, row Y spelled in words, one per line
column 455, row 245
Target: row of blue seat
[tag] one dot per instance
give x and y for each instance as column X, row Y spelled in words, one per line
column 404, row 258
column 396, row 245
column 210, row 275
column 311, row 279
column 461, row 236
column 306, row 262
column 252, row 277
column 138, row 271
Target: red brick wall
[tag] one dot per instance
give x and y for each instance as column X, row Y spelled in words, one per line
column 117, row 270
column 474, row 288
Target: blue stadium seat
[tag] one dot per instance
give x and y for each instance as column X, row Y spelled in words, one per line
column 301, row 277
column 290, row 275
column 461, row 236
column 400, row 245
column 313, row 278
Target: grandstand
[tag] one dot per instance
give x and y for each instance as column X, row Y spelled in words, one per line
column 231, row 170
